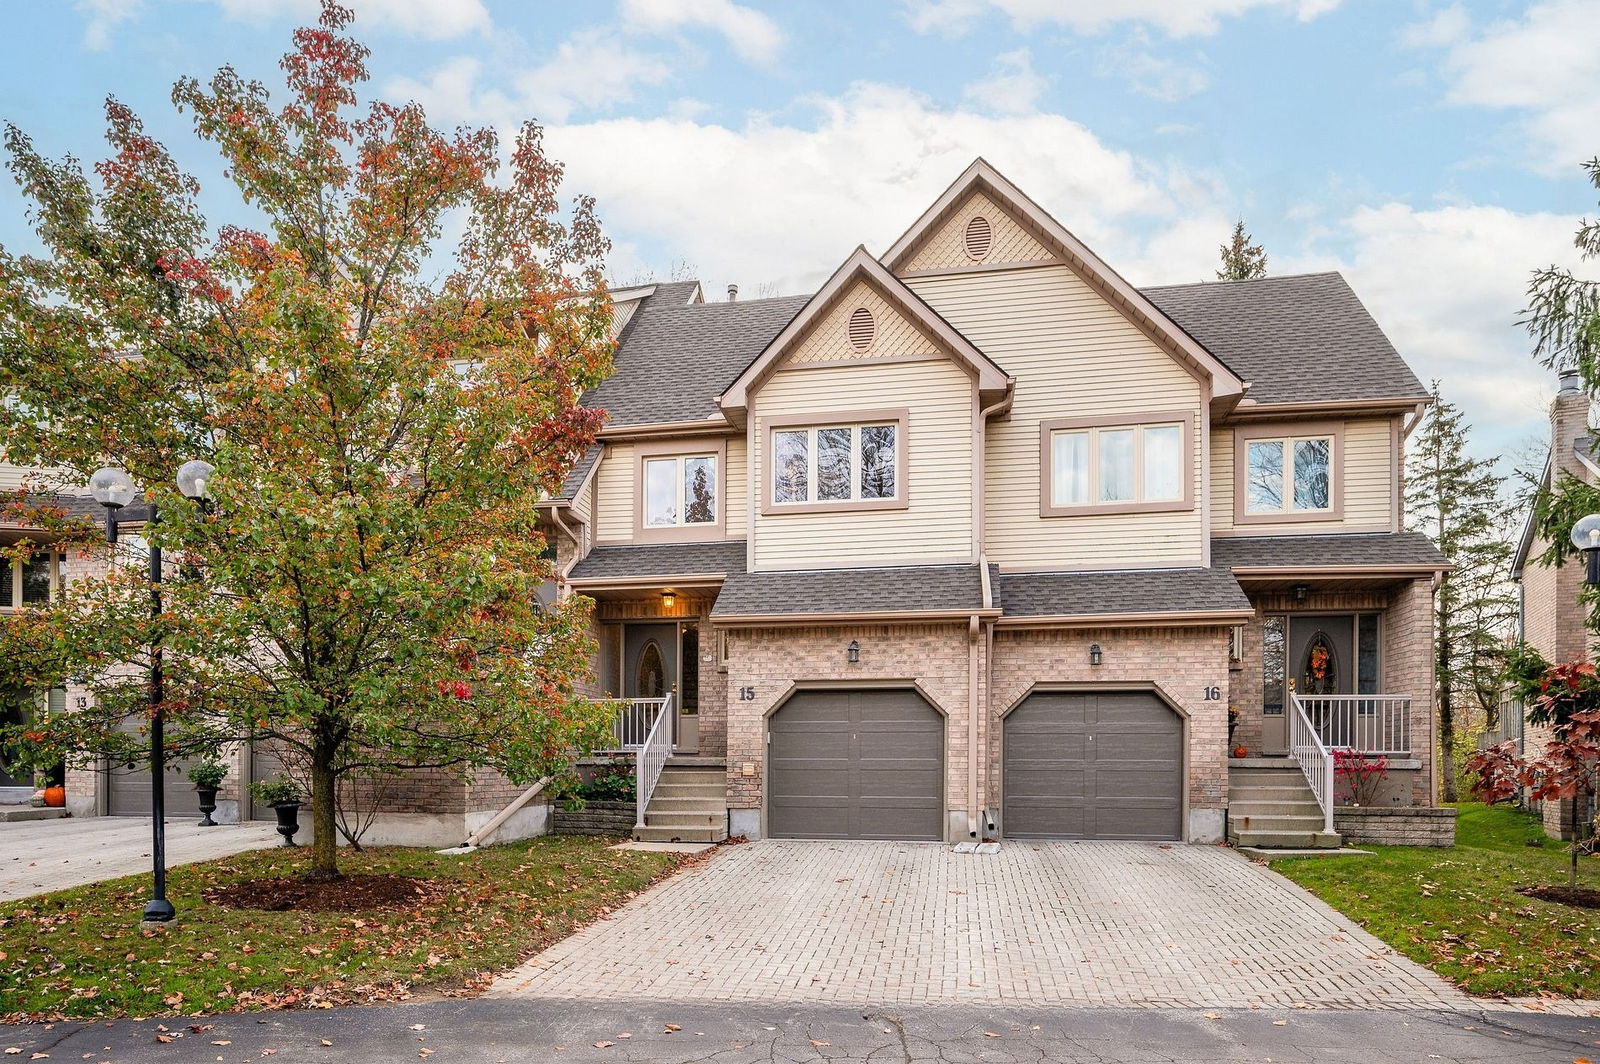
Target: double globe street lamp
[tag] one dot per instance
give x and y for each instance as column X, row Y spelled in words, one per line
column 114, row 489
column 1586, row 537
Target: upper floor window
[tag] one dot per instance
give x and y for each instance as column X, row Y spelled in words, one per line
column 680, row 490
column 1094, row 465
column 1288, row 475
column 29, row 583
column 858, row 465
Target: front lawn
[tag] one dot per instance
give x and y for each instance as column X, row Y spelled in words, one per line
column 1458, row 910
column 80, row 952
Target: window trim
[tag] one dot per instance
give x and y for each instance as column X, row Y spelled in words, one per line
column 643, row 533
column 1152, row 419
column 1244, row 435
column 57, row 560
column 900, row 418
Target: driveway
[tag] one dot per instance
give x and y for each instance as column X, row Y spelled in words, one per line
column 38, row 856
column 1049, row 924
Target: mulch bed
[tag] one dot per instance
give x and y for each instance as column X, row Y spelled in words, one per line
column 345, row 895
column 1582, row 897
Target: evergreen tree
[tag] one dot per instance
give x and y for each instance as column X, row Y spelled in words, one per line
column 1456, row 499
column 1242, row 260
column 1563, row 311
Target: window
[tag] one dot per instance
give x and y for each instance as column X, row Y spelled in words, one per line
column 1109, row 468
column 1272, row 655
column 1289, row 477
column 838, row 466
column 680, row 490
column 29, row 583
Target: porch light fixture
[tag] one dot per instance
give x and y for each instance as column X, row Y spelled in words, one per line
column 852, row 653
column 1301, row 592
column 1095, row 657
column 669, row 599
column 1586, row 537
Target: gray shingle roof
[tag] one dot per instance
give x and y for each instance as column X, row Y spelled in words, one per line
column 662, row 560
column 1135, row 591
column 579, row 470
column 1297, row 339
column 674, row 357
column 1410, row 550
column 875, row 591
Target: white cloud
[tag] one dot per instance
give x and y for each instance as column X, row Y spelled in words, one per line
column 432, row 19
column 103, row 17
column 1012, row 88
column 1176, row 18
column 1167, row 80
column 751, row 34
column 1543, row 65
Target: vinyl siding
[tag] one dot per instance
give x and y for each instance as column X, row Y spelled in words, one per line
column 947, row 248
column 936, row 527
column 736, row 480
column 1368, row 482
column 12, row 477
column 616, row 492
column 1073, row 355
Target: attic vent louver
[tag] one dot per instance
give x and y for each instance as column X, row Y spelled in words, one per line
column 979, row 237
column 862, row 328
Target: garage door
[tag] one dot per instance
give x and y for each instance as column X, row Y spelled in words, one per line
column 856, row 765
column 1105, row 765
column 128, row 790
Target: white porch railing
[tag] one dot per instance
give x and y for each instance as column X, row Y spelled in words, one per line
column 634, row 723
column 1373, row 724
column 1308, row 749
column 650, row 758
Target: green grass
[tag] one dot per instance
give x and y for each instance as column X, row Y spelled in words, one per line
column 1457, row 910
column 80, row 952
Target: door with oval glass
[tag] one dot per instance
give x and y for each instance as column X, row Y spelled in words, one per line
column 662, row 658
column 1305, row 655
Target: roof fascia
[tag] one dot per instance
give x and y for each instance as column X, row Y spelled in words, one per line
column 1525, row 542
column 830, row 618
column 665, row 430
column 1251, row 410
column 648, row 581
column 1125, row 620
column 980, row 176
column 1285, row 572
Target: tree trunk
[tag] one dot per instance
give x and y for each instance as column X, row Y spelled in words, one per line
column 325, row 832
column 1447, row 721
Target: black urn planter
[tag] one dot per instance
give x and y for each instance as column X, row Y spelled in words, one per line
column 208, row 805
column 288, row 820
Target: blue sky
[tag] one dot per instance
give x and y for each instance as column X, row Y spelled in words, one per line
column 1429, row 150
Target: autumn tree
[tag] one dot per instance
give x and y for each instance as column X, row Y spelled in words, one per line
column 1457, row 500
column 382, row 411
column 1242, row 259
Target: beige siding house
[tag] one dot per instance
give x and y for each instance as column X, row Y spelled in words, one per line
column 980, row 541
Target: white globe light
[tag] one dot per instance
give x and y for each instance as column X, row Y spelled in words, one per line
column 112, row 488
column 193, row 477
column 1586, row 533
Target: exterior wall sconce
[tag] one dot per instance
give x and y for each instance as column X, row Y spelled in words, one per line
column 1301, row 592
column 852, row 653
column 669, row 599
column 1095, row 657
column 1586, row 537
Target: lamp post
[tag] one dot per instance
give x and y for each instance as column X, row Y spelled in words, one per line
column 1586, row 537
column 114, row 489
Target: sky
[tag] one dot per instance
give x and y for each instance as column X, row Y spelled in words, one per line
column 1430, row 151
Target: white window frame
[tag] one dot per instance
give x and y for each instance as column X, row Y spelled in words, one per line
column 1093, row 427
column 15, row 603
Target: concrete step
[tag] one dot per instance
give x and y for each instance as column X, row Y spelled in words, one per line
column 1286, row 840
column 687, row 789
column 696, row 761
column 11, row 814
column 694, row 775
column 1247, row 807
column 678, row 834
column 1264, row 775
column 688, row 802
column 1275, row 823
column 1271, row 794
column 685, row 820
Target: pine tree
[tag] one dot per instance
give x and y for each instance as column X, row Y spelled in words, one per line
column 1563, row 311
column 1457, row 500
column 1241, row 259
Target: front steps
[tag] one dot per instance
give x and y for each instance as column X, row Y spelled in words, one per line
column 1271, row 806
column 690, row 803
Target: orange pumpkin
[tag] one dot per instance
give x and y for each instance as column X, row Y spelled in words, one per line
column 55, row 797
column 1240, row 751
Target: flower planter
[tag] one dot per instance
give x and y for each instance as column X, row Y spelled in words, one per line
column 208, row 805
column 288, row 819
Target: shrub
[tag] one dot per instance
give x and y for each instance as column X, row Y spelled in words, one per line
column 1358, row 775
column 276, row 791
column 208, row 773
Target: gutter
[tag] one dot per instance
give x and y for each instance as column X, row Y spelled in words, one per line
column 651, row 580
column 904, row 617
column 1128, row 620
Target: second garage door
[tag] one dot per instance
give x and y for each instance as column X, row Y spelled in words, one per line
column 1093, row 765
column 864, row 764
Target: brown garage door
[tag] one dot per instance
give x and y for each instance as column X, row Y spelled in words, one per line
column 856, row 765
column 1093, row 765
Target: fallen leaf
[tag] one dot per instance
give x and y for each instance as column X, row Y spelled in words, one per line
column 326, row 1042
column 1213, row 1016
column 990, row 1034
column 604, row 1045
column 1280, row 1023
column 672, row 1027
column 164, row 1038
column 221, row 1042
column 817, row 1043
column 424, row 1052
column 419, row 1027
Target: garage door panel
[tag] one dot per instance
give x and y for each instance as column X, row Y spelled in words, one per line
column 856, row 764
column 1088, row 765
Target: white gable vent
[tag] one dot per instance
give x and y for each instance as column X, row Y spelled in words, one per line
column 979, row 237
column 862, row 328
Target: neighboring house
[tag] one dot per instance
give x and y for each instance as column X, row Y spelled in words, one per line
column 1553, row 621
column 982, row 539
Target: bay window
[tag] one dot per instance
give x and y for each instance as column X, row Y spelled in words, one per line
column 1092, row 465
column 838, row 465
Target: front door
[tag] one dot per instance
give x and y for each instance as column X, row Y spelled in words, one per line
column 649, row 670
column 1305, row 655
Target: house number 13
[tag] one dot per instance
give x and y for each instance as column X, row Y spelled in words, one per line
column 1213, row 694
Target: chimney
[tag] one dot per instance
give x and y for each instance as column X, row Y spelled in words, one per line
column 1571, row 382
column 733, row 293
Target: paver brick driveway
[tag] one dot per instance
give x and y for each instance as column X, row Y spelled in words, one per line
column 875, row 923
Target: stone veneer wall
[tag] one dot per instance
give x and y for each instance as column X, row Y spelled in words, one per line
column 1181, row 662
column 1431, row 826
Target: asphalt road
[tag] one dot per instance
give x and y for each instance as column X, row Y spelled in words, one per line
column 514, row 1032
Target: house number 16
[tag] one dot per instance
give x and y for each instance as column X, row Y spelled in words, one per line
column 1213, row 694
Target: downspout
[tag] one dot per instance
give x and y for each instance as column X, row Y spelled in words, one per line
column 563, row 588
column 974, row 709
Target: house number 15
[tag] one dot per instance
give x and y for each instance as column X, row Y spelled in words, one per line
column 1213, row 694
column 747, row 694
